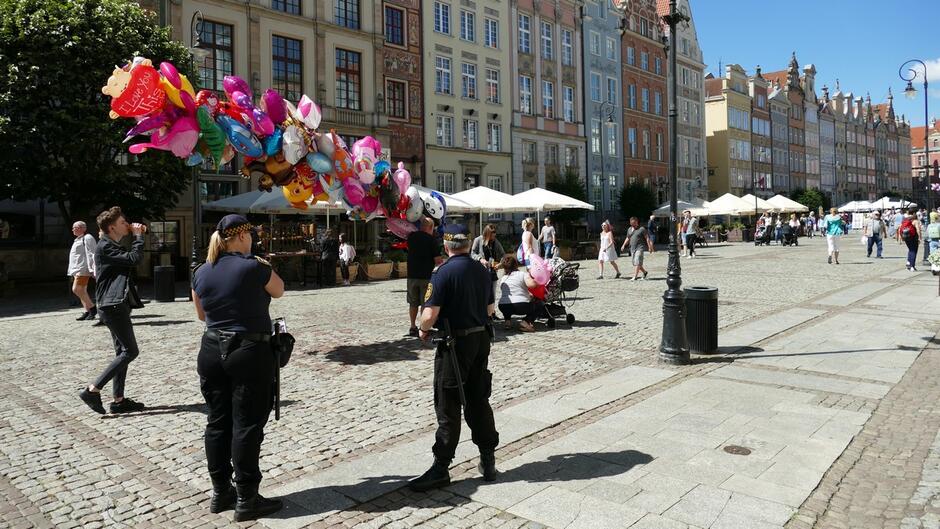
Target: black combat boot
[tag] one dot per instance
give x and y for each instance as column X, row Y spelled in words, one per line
column 251, row 505
column 437, row 476
column 487, row 466
column 223, row 496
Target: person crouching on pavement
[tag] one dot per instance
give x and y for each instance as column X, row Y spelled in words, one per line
column 231, row 293
column 115, row 296
column 515, row 297
column 460, row 293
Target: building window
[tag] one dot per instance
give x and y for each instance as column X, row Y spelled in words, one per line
column 644, row 28
column 348, row 80
column 597, row 195
column 442, row 75
column 548, row 41
column 595, row 43
column 442, row 18
column 659, row 146
column 595, row 87
column 568, row 103
column 490, row 33
column 631, row 96
column 612, row 139
column 468, row 26
column 445, row 182
column 548, row 99
column 217, row 38
column 551, row 154
column 445, row 131
column 658, row 66
column 571, row 157
column 611, row 90
column 165, row 235
column 611, row 49
column 631, row 139
column 645, row 60
column 492, row 86
column 396, row 104
column 631, row 56
column 291, row 7
column 468, row 80
column 471, row 136
column 287, row 66
column 658, row 102
column 525, row 34
column 525, row 94
column 645, row 99
column 596, row 136
column 567, row 47
column 646, row 144
column 395, row 26
column 494, row 132
column 347, row 13
column 528, row 152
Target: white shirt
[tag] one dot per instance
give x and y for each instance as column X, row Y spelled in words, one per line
column 347, row 253
column 82, row 256
column 512, row 288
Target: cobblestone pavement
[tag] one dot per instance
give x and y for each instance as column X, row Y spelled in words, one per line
column 356, row 387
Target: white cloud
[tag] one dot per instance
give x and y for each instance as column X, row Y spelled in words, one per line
column 933, row 70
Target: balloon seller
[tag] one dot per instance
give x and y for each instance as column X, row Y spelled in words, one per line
column 459, row 301
column 231, row 293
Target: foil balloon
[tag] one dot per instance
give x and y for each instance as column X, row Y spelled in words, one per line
column 382, row 167
column 211, row 135
column 273, row 104
column 294, row 146
column 434, row 206
column 234, row 83
column 228, row 154
column 208, row 99
column 370, row 203
column 174, row 83
column 539, row 269
column 309, row 112
column 364, row 169
column 194, row 159
column 402, row 178
column 368, row 147
column 135, row 91
column 180, row 139
column 272, row 144
column 328, row 142
column 415, row 205
column 240, row 137
column 320, row 162
column 297, row 193
column 400, row 227
column 147, row 125
column 279, row 168
column 261, row 124
column 353, row 191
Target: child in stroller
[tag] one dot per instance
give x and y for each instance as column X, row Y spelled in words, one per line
column 763, row 235
column 788, row 235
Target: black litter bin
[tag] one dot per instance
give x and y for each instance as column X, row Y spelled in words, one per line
column 701, row 319
column 164, row 283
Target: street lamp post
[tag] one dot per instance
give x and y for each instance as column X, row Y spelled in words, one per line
column 674, row 347
column 195, row 53
column 610, row 119
column 909, row 74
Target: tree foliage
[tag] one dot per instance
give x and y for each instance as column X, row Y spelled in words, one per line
column 811, row 198
column 637, row 200
column 56, row 139
column 572, row 186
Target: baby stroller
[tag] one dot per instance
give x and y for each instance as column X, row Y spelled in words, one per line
column 763, row 235
column 788, row 234
column 564, row 280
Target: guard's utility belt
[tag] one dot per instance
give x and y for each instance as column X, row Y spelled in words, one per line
column 459, row 333
column 227, row 335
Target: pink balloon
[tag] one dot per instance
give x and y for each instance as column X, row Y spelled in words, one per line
column 539, row 269
column 402, row 178
column 354, row 191
column 171, row 74
column 180, row 139
column 370, row 203
column 273, row 104
column 400, row 227
column 234, row 83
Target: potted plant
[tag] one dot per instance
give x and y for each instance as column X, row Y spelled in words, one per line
column 399, row 261
column 377, row 267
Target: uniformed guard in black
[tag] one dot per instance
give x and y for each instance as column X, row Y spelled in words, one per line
column 461, row 293
column 232, row 291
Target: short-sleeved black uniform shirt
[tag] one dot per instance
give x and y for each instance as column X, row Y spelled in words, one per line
column 463, row 290
column 233, row 295
column 422, row 249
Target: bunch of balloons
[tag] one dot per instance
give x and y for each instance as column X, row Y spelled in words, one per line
column 280, row 141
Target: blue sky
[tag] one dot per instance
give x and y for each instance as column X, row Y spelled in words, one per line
column 860, row 42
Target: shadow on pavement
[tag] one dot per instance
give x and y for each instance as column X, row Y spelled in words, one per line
column 399, row 350
column 174, row 409
column 162, row 323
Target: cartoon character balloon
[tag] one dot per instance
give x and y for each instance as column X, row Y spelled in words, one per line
column 135, row 90
column 415, row 205
column 539, row 269
column 435, row 206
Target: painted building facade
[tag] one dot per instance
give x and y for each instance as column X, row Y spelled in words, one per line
column 403, row 86
column 728, row 132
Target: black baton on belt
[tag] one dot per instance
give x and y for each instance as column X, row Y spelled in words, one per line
column 275, row 345
column 450, row 345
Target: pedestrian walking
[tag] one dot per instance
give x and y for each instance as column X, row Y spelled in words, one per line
column 876, row 231
column 82, row 268
column 231, row 294
column 347, row 254
column 833, row 228
column 933, row 232
column 488, row 251
column 329, row 255
column 527, row 246
column 638, row 239
column 422, row 252
column 910, row 232
column 608, row 250
column 547, row 239
column 115, row 296
column 459, row 297
column 515, row 296
column 683, row 227
column 651, row 226
column 795, row 229
column 691, row 234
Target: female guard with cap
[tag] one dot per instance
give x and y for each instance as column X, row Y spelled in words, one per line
column 231, row 292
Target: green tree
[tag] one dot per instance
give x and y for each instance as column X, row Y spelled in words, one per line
column 572, row 186
column 637, row 200
column 810, row 198
column 56, row 139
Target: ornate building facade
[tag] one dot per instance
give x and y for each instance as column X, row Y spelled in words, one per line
column 404, row 83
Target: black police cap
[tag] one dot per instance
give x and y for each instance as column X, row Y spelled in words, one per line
column 232, row 225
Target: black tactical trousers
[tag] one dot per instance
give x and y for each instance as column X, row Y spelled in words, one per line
column 473, row 353
column 239, row 391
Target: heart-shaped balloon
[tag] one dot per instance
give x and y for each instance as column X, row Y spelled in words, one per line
column 141, row 94
column 400, row 227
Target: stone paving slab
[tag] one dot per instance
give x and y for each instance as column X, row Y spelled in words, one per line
column 852, row 295
column 764, row 328
column 802, row 380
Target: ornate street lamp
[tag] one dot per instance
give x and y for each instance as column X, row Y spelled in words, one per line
column 674, row 347
column 607, row 108
column 197, row 54
column 909, row 74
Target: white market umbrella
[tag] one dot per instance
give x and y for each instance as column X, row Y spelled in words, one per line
column 485, row 200
column 786, row 205
column 538, row 199
column 237, row 204
column 699, row 209
column 856, row 206
column 758, row 204
column 889, row 203
column 729, row 204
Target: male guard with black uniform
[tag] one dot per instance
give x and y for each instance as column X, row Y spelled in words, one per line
column 460, row 299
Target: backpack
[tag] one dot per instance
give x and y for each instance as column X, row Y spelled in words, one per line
column 907, row 230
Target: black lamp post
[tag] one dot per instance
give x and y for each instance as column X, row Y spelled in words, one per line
column 909, row 74
column 674, row 347
column 196, row 53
